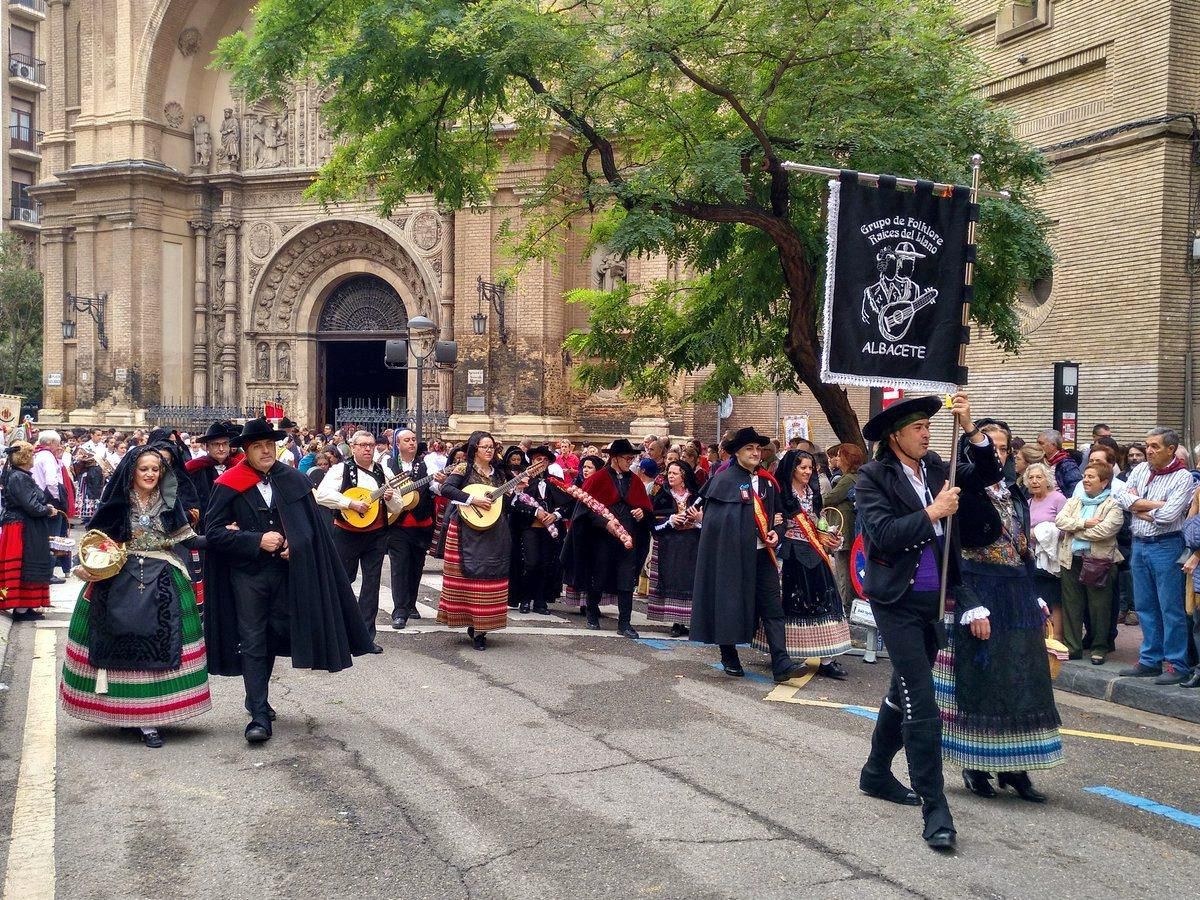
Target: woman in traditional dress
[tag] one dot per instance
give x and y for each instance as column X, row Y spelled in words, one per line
column 26, row 565
column 89, row 476
column 572, row 595
column 814, row 618
column 476, row 571
column 135, row 647
column 850, row 459
column 673, row 557
column 992, row 681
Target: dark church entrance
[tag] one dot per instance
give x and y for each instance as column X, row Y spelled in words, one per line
column 357, row 388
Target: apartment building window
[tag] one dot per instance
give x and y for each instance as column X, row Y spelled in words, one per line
column 21, row 134
column 21, row 182
column 20, row 41
column 1017, row 17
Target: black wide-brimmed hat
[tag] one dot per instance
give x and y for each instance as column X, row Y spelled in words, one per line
column 220, row 431
column 620, row 447
column 742, row 437
column 258, row 430
column 285, row 422
column 542, row 451
column 898, row 415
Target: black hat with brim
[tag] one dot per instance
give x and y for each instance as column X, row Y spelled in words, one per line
column 742, row 437
column 620, row 447
column 285, row 422
column 258, row 430
column 898, row 415
column 220, row 431
column 543, row 451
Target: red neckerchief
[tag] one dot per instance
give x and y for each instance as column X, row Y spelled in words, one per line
column 1058, row 457
column 241, row 477
column 1175, row 466
column 200, row 463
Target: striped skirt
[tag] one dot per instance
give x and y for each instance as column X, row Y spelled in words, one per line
column 996, row 749
column 573, row 596
column 135, row 698
column 15, row 593
column 665, row 605
column 476, row 602
column 810, row 637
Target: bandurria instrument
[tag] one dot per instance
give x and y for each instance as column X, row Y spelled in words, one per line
column 482, row 519
column 399, row 484
column 896, row 318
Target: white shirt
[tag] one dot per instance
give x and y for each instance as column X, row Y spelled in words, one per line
column 329, row 492
column 921, row 489
column 264, row 488
column 47, row 472
column 435, row 462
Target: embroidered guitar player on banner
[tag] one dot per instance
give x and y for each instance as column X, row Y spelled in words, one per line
column 895, row 285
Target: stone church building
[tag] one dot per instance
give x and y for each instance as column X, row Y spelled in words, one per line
column 182, row 206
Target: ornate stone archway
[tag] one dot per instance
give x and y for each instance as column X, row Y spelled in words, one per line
column 364, row 304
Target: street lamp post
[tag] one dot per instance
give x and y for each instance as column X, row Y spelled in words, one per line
column 422, row 336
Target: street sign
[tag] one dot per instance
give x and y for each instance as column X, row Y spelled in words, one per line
column 121, row 374
column 725, row 407
column 474, row 376
column 54, row 379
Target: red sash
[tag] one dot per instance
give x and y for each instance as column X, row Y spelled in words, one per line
column 813, row 536
column 764, row 527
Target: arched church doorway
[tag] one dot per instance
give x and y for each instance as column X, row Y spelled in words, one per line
column 357, row 318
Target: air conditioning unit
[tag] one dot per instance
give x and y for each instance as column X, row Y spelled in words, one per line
column 22, row 70
column 28, row 215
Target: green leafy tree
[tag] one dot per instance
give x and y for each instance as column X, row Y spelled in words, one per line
column 20, row 321
column 679, row 114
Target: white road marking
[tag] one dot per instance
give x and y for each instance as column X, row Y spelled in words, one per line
column 30, row 874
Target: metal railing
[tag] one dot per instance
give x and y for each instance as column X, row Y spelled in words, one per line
column 26, row 210
column 23, row 137
column 38, row 6
column 374, row 415
column 21, row 65
column 197, row 417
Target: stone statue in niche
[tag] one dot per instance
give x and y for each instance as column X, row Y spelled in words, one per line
column 611, row 273
column 189, row 41
column 283, row 363
column 201, row 144
column 264, row 362
column 268, row 142
column 231, row 140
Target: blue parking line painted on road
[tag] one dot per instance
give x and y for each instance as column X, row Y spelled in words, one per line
column 863, row 711
column 1148, row 805
column 750, row 676
column 656, row 644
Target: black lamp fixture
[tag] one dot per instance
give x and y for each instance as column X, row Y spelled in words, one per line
column 94, row 307
column 493, row 294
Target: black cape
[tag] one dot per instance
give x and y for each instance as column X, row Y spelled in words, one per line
column 723, row 607
column 325, row 625
column 594, row 560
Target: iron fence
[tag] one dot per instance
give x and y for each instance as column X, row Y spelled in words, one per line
column 374, row 416
column 194, row 417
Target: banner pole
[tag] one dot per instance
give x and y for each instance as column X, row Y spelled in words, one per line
column 968, row 280
column 870, row 178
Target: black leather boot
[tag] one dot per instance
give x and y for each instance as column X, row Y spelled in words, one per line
column 876, row 778
column 1019, row 782
column 923, row 747
column 979, row 783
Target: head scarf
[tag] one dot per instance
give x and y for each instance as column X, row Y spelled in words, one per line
column 113, row 515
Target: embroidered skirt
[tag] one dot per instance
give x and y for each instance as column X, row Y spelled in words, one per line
column 814, row 621
column 573, row 596
column 15, row 593
column 134, row 698
column 670, row 600
column 995, row 696
column 476, row 602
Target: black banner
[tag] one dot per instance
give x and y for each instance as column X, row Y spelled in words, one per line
column 895, row 285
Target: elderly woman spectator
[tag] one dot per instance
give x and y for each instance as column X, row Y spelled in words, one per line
column 1027, row 456
column 850, row 459
column 1088, row 553
column 1045, row 503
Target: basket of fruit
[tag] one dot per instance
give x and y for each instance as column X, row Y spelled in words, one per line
column 101, row 556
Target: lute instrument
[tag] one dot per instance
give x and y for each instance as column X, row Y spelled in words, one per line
column 481, row 519
column 399, row 484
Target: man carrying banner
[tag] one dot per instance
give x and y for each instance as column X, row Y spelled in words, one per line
column 903, row 501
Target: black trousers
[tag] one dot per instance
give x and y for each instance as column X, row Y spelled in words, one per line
column 540, row 578
column 909, row 716
column 406, row 549
column 624, row 607
column 366, row 549
column 263, row 620
column 768, row 609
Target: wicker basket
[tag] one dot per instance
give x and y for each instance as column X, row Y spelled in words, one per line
column 1056, row 650
column 100, row 556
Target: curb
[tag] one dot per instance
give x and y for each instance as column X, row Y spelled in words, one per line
column 1081, row 677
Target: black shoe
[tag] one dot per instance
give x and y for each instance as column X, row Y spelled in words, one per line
column 629, row 632
column 1140, row 671
column 942, row 839
column 593, row 624
column 735, row 670
column 375, row 648
column 1194, row 680
column 793, row 672
column 151, row 738
column 1019, row 782
column 678, row 630
column 270, row 713
column 979, row 783
column 833, row 669
column 886, row 787
column 257, row 732
column 541, row 609
column 414, row 613
column 470, row 631
column 524, row 608
column 480, row 642
column 398, row 622
column 54, row 579
column 1172, row 676
column 1075, row 654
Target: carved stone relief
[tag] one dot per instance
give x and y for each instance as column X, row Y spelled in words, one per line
column 189, row 41
column 426, row 229
column 283, row 361
column 173, row 113
column 261, row 240
column 231, row 140
column 262, row 368
column 201, row 144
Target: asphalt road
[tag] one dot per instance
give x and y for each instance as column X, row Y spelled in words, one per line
column 559, row 763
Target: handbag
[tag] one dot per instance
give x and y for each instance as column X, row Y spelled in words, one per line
column 1094, row 571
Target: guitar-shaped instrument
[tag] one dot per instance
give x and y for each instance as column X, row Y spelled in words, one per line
column 399, row 484
column 896, row 318
column 481, row 519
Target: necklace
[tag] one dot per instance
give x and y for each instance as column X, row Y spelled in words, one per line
column 142, row 513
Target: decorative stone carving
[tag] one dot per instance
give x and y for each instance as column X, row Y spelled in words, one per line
column 611, row 272
column 231, row 140
column 189, row 41
column 261, row 240
column 263, row 369
column 426, row 229
column 201, row 144
column 173, row 113
column 268, row 141
column 283, row 361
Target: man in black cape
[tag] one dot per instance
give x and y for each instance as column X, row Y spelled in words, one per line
column 594, row 560
column 737, row 581
column 902, row 501
column 276, row 586
column 205, row 470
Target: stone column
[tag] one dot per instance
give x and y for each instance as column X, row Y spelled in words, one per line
column 54, row 101
column 200, row 314
column 445, row 376
column 229, row 351
column 85, row 328
column 55, row 353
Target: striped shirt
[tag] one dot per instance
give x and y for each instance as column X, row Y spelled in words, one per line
column 1175, row 490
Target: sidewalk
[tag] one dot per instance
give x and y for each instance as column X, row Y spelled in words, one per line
column 1101, row 682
